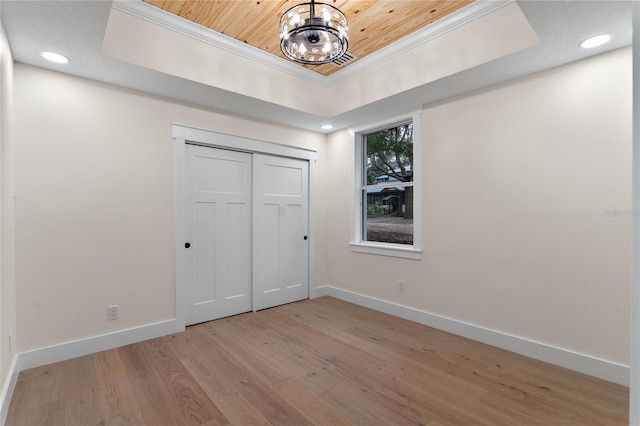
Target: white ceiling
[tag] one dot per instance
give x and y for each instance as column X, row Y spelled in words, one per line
column 77, row 29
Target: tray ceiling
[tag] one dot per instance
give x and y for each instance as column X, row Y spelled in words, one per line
column 372, row 24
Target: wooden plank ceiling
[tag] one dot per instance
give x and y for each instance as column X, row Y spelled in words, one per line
column 372, row 24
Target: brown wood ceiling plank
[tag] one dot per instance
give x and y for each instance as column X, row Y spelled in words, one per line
column 255, row 33
column 372, row 24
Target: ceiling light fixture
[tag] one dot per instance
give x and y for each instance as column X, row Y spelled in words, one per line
column 327, row 127
column 596, row 41
column 55, row 57
column 313, row 33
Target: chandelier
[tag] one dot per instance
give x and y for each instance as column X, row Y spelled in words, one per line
column 313, row 33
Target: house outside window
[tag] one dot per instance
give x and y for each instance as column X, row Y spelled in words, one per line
column 386, row 220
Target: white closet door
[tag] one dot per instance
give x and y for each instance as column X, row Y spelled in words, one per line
column 280, row 231
column 218, row 227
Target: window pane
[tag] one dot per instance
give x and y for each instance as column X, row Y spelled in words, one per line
column 388, row 155
column 387, row 158
column 388, row 217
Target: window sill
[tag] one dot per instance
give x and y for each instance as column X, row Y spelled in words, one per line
column 387, row 250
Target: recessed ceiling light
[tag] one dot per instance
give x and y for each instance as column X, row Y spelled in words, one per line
column 596, row 41
column 55, row 57
column 327, row 127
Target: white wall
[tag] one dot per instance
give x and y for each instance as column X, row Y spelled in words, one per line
column 7, row 217
column 634, row 392
column 518, row 180
column 95, row 202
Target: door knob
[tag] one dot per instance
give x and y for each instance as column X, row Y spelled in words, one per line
column 187, row 245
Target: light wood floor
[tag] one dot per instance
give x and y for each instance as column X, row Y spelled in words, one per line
column 322, row 361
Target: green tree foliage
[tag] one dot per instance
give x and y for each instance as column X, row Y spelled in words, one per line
column 390, row 152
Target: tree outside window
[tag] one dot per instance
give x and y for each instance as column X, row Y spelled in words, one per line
column 388, row 185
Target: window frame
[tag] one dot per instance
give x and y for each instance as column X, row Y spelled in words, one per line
column 357, row 211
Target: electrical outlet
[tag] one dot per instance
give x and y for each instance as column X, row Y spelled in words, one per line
column 400, row 286
column 112, row 312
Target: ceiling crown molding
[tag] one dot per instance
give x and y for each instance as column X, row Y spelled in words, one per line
column 157, row 16
column 162, row 18
column 457, row 19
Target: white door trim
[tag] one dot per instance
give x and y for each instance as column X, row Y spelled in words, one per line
column 189, row 135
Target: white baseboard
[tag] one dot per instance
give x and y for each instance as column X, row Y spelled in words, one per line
column 68, row 350
column 600, row 368
column 103, row 342
column 8, row 388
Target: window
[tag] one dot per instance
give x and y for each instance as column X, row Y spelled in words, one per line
column 387, row 220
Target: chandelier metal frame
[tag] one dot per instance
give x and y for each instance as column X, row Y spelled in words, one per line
column 313, row 39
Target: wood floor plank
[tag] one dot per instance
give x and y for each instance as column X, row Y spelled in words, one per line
column 20, row 399
column 151, row 392
column 409, row 388
column 124, row 419
column 272, row 356
column 47, row 386
column 272, row 406
column 46, row 414
column 207, row 372
column 426, row 373
column 251, row 346
column 393, row 385
column 321, row 361
column 314, row 408
column 345, row 360
column 82, row 405
column 426, row 377
column 117, row 395
column 186, row 395
column 482, row 365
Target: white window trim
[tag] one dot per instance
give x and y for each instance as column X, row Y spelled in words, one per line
column 372, row 247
